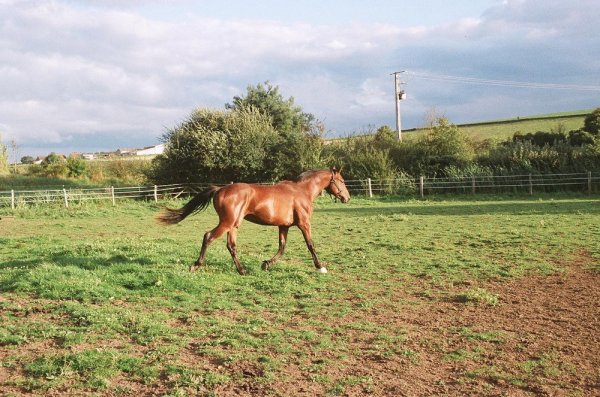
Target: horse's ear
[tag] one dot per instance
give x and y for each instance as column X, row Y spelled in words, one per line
column 335, row 170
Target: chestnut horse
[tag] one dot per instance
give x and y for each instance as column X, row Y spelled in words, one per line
column 284, row 204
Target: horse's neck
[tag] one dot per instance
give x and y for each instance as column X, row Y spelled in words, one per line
column 315, row 186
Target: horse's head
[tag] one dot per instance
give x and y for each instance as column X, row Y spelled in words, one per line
column 337, row 186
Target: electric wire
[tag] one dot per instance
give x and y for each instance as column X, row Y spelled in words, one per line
column 502, row 83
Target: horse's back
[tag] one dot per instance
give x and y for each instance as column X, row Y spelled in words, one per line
column 263, row 204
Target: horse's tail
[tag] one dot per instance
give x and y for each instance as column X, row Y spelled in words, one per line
column 171, row 216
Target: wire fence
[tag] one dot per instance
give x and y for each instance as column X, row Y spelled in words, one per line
column 525, row 183
column 528, row 184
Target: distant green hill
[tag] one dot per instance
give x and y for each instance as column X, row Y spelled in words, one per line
column 503, row 129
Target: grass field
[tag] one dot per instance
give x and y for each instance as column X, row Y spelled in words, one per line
column 504, row 129
column 423, row 298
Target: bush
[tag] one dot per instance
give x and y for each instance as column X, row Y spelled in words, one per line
column 541, row 138
column 53, row 166
column 591, row 123
column 443, row 147
column 27, row 160
column 217, row 146
column 361, row 158
column 294, row 152
column 580, row 138
column 76, row 167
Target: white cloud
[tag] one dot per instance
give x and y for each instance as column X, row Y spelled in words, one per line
column 70, row 71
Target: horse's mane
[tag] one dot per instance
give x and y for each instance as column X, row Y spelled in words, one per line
column 306, row 175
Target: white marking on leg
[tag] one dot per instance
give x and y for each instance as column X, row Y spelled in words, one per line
column 323, row 270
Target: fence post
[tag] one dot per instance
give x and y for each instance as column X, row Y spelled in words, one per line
column 66, row 198
column 421, row 186
column 112, row 194
column 473, row 184
column 369, row 187
column 590, row 182
column 12, row 199
column 155, row 194
column 530, row 185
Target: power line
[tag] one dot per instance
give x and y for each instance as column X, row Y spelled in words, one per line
column 503, row 83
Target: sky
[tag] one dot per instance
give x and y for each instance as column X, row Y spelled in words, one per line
column 99, row 75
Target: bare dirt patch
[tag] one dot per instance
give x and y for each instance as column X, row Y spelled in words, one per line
column 541, row 339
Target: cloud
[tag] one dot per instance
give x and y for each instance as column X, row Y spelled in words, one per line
column 70, row 71
column 103, row 71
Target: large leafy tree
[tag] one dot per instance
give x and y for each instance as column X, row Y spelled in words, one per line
column 285, row 115
column 216, row 146
column 259, row 137
column 299, row 141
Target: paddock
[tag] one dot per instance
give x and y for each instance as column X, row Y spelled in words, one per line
column 443, row 296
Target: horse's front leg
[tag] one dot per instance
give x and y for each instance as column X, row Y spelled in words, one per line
column 305, row 228
column 283, row 232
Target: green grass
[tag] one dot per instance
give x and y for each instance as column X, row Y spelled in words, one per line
column 98, row 299
column 500, row 130
column 506, row 129
column 478, row 295
column 22, row 182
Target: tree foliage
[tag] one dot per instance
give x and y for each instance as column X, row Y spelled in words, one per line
column 260, row 137
column 53, row 166
column 216, row 146
column 285, row 115
column 442, row 147
column 76, row 167
column 591, row 123
column 360, row 158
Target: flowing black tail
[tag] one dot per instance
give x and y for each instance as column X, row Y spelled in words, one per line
column 172, row 216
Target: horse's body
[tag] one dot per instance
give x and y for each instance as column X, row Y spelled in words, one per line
column 284, row 204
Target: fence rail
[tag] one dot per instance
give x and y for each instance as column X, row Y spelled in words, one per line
column 587, row 182
column 526, row 183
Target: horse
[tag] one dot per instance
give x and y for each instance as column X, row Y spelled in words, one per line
column 284, row 204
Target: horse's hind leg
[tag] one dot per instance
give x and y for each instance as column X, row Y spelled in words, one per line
column 209, row 237
column 231, row 246
column 283, row 232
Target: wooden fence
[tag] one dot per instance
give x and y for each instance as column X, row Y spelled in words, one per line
column 529, row 184
column 15, row 198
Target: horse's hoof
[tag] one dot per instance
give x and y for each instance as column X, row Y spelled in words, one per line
column 265, row 265
column 193, row 268
column 323, row 270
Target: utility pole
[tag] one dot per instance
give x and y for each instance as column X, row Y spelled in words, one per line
column 399, row 95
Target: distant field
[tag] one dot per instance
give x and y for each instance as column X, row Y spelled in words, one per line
column 423, row 298
column 116, row 171
column 503, row 129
